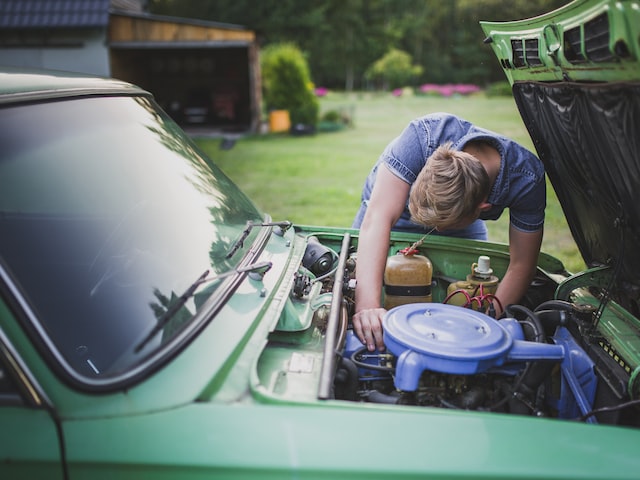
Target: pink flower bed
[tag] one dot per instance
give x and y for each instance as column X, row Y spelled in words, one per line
column 449, row 89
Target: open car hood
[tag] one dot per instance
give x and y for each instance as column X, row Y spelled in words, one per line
column 576, row 81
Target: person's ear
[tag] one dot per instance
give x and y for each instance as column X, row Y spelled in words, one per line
column 484, row 206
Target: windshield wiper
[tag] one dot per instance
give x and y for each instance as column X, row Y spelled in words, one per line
column 284, row 226
column 259, row 268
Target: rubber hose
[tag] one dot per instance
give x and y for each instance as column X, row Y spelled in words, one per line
column 536, row 324
column 375, row 396
column 350, row 378
column 555, row 304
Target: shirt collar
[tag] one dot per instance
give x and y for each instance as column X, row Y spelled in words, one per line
column 499, row 187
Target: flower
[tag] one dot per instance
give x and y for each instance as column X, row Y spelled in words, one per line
column 449, row 89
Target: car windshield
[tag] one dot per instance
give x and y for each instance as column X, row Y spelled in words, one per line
column 108, row 214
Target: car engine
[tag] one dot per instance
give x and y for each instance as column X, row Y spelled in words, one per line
column 544, row 358
column 448, row 356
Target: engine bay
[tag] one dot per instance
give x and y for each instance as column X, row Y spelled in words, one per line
column 548, row 357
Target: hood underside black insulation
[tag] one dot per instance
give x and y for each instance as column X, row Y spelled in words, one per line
column 588, row 137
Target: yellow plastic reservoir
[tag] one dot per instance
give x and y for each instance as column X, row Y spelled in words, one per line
column 407, row 279
column 480, row 281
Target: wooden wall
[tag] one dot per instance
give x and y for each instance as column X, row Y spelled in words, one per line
column 134, row 29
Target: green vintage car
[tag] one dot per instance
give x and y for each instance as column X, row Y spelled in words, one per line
column 155, row 324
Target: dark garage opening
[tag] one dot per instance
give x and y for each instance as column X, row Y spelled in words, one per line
column 198, row 87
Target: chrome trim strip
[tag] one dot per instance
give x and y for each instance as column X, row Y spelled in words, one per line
column 30, row 386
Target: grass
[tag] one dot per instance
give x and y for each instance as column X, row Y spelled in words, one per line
column 317, row 179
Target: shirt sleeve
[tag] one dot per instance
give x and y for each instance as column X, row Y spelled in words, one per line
column 526, row 213
column 406, row 155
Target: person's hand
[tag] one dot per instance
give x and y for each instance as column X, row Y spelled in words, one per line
column 367, row 324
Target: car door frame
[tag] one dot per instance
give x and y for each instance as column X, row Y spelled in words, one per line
column 31, row 444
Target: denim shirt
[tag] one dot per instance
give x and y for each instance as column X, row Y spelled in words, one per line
column 519, row 186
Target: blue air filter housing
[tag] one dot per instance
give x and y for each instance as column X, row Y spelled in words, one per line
column 455, row 340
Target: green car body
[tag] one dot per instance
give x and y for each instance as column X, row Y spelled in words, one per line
column 155, row 324
column 584, row 41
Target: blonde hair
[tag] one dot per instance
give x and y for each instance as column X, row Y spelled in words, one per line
column 449, row 189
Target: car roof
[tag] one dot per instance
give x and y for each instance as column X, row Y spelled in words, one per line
column 23, row 85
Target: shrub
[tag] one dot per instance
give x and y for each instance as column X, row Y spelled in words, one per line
column 331, row 116
column 334, row 120
column 499, row 89
column 287, row 83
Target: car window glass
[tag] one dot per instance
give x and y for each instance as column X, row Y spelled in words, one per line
column 112, row 214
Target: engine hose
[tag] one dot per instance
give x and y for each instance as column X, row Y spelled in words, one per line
column 376, row 396
column 551, row 319
column 538, row 372
column 347, row 375
column 555, row 304
column 555, row 313
column 534, row 373
column 533, row 318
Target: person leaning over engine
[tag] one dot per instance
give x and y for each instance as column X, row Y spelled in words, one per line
column 447, row 175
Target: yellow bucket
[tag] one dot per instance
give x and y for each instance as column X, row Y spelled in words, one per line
column 279, row 121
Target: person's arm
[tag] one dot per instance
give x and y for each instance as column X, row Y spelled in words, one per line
column 524, row 248
column 387, row 202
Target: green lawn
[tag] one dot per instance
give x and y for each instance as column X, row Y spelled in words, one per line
column 317, row 179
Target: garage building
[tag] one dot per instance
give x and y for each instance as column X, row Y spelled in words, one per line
column 205, row 74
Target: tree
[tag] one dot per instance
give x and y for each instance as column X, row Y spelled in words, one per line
column 341, row 39
column 394, row 69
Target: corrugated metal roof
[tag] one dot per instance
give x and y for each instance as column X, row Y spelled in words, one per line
column 179, row 20
column 21, row 14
